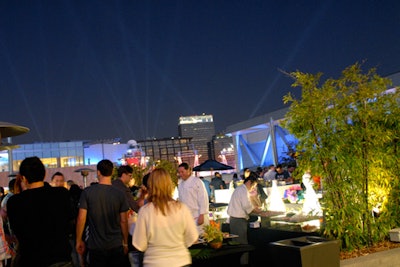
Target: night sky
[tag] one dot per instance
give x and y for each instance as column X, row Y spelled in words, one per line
column 89, row 70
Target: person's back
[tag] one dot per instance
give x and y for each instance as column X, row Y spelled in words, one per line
column 75, row 193
column 217, row 182
column 104, row 209
column 207, row 186
column 42, row 224
column 164, row 227
column 103, row 203
column 41, row 219
column 270, row 174
column 166, row 234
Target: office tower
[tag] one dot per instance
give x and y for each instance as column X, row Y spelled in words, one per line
column 201, row 129
column 173, row 149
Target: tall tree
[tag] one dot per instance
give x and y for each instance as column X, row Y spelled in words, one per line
column 348, row 131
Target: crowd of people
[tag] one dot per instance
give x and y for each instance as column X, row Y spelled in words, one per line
column 111, row 222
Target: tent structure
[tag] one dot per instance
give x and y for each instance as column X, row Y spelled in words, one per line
column 262, row 141
column 212, row 165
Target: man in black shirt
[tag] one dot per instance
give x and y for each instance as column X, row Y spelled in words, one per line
column 41, row 219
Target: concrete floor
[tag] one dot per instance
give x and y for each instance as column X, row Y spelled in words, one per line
column 387, row 258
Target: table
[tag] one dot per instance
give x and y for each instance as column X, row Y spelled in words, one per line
column 260, row 239
column 228, row 255
column 281, row 189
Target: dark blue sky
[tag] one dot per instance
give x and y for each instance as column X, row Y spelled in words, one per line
column 78, row 70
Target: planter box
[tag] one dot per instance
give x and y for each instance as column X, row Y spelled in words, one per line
column 307, row 251
column 395, row 235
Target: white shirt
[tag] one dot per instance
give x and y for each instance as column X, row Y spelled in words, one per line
column 240, row 205
column 193, row 193
column 165, row 239
column 269, row 175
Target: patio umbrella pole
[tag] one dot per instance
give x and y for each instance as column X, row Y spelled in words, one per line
column 10, row 158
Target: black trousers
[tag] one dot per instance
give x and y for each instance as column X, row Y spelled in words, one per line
column 238, row 226
column 114, row 257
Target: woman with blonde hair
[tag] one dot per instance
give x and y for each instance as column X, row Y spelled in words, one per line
column 164, row 228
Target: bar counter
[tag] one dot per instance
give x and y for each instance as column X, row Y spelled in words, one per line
column 228, row 255
column 260, row 239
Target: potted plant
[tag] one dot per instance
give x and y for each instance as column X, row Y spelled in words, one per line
column 213, row 234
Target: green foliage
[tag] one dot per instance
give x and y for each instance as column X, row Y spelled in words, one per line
column 139, row 171
column 348, row 134
column 114, row 174
column 200, row 253
column 170, row 168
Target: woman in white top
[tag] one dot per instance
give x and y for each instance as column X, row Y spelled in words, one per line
column 164, row 227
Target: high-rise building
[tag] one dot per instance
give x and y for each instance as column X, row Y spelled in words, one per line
column 171, row 149
column 201, row 129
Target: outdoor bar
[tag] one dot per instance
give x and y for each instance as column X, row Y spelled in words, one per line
column 301, row 217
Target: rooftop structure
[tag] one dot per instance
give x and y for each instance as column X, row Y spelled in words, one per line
column 201, row 129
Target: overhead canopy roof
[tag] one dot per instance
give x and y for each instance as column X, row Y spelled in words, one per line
column 8, row 129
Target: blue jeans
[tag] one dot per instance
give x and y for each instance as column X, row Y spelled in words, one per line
column 136, row 258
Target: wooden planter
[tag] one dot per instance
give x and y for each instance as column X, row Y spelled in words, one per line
column 215, row 245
